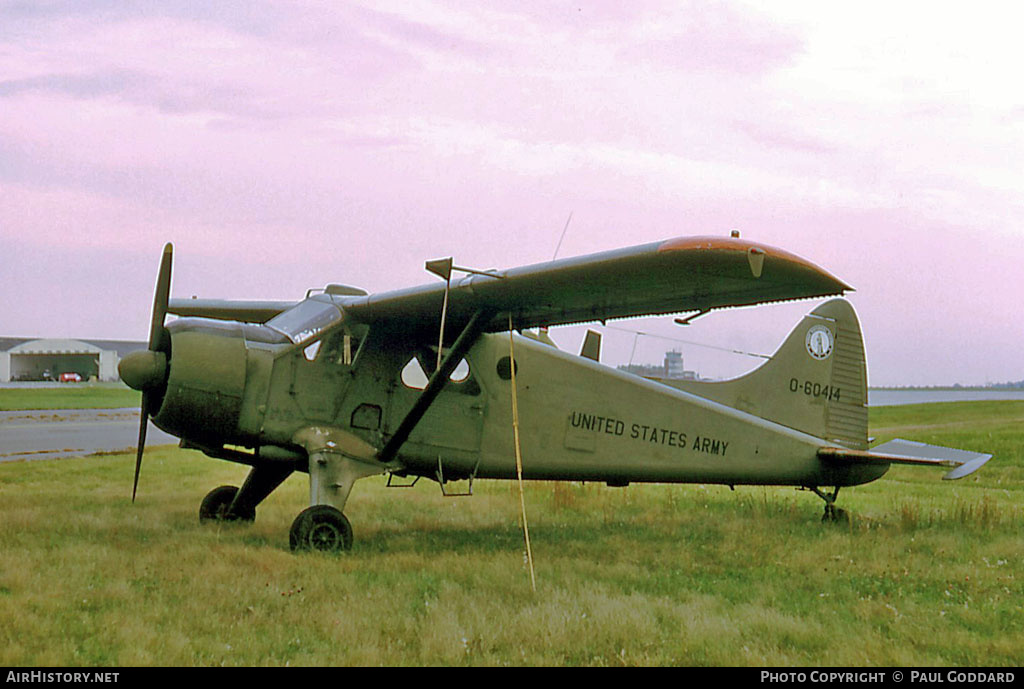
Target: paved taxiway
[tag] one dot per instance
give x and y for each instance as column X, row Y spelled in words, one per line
column 47, row 434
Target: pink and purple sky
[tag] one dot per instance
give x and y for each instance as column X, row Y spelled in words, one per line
column 285, row 145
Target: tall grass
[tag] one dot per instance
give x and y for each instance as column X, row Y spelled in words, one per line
column 925, row 573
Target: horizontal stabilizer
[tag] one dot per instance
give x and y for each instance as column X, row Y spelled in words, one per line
column 900, row 451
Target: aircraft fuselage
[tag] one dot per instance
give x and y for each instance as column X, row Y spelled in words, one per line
column 245, row 385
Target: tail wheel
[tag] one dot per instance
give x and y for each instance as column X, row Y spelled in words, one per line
column 322, row 528
column 835, row 514
column 216, row 504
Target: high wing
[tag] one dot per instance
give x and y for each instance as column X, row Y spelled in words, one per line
column 901, row 451
column 673, row 276
column 229, row 310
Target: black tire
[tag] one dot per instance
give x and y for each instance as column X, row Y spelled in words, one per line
column 835, row 515
column 214, row 507
column 322, row 528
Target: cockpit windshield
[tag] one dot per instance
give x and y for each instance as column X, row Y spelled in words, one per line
column 306, row 319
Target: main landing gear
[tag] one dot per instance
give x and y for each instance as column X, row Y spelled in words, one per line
column 216, row 507
column 832, row 513
column 321, row 527
column 229, row 504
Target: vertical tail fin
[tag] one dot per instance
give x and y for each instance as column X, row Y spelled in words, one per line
column 815, row 383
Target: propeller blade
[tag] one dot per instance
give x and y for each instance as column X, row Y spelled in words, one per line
column 143, row 426
column 160, row 300
column 157, row 343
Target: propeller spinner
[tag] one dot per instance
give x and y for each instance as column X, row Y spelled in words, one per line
column 147, row 370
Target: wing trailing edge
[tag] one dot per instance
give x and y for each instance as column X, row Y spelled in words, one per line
column 673, row 276
column 229, row 310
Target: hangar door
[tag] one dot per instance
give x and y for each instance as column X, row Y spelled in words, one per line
column 48, row 359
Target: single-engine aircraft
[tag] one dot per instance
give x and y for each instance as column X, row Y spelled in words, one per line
column 316, row 385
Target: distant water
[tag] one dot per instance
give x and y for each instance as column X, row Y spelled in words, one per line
column 883, row 398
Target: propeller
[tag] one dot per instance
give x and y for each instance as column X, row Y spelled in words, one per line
column 147, row 370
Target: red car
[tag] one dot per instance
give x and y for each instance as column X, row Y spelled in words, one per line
column 70, row 378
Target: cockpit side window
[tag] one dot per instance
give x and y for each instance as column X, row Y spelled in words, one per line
column 306, row 319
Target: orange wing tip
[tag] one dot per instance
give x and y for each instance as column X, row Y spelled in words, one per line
column 745, row 246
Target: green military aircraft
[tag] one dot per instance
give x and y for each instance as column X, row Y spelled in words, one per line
column 316, row 385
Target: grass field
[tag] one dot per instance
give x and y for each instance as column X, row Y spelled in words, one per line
column 70, row 396
column 926, row 573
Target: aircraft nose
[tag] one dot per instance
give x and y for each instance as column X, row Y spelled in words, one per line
column 143, row 370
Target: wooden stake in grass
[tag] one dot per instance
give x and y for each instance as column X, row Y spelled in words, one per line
column 519, row 455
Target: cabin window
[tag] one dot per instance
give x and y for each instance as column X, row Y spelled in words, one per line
column 342, row 347
column 312, row 350
column 415, row 376
column 461, row 372
column 504, row 368
column 306, row 319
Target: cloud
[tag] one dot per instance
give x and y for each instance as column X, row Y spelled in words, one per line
column 91, row 85
column 352, row 141
column 712, row 38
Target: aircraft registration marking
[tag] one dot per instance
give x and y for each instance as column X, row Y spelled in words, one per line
column 646, row 433
column 812, row 389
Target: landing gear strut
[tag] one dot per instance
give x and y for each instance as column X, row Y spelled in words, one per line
column 228, row 503
column 832, row 513
column 336, row 461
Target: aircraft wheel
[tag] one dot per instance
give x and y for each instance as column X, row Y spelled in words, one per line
column 322, row 528
column 835, row 515
column 214, row 507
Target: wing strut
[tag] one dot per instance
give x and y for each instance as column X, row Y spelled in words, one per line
column 436, row 384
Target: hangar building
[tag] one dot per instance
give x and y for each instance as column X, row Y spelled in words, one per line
column 46, row 359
